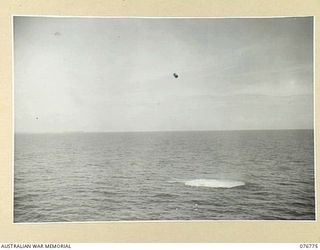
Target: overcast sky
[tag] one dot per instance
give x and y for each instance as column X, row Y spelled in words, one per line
column 115, row 74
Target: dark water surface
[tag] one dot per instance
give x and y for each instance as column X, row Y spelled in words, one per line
column 225, row 175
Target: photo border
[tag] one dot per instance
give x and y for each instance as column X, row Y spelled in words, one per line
column 146, row 231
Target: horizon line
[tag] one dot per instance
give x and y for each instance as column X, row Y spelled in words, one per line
column 158, row 131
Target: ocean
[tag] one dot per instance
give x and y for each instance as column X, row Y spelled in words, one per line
column 143, row 176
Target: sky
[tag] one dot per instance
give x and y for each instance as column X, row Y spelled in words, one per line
column 116, row 74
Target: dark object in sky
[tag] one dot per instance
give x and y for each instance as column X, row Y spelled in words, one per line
column 37, row 118
column 57, row 33
column 175, row 75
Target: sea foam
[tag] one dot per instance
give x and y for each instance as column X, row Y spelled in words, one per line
column 214, row 183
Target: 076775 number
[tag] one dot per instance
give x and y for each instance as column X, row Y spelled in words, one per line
column 308, row 246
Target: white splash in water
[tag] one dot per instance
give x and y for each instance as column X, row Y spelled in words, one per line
column 214, row 183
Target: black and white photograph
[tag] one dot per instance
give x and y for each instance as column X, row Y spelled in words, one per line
column 163, row 119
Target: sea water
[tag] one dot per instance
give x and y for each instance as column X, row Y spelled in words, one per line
column 134, row 176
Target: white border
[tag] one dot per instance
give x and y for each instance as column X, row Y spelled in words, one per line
column 165, row 221
column 12, row 116
column 314, row 122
